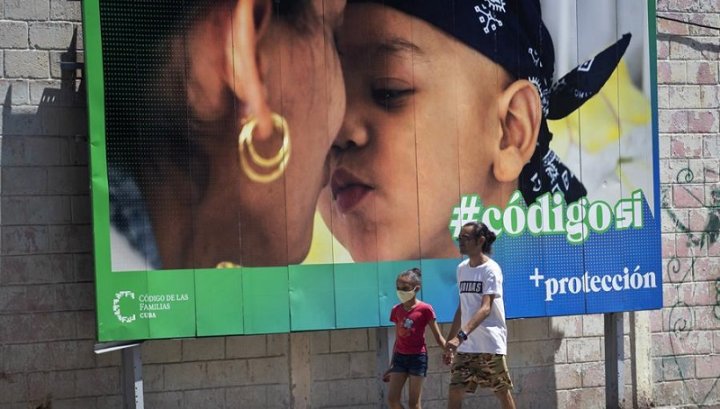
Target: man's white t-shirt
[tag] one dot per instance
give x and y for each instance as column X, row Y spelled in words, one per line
column 474, row 282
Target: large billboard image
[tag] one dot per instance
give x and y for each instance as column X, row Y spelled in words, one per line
column 262, row 167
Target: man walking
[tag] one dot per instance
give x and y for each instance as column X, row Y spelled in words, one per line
column 478, row 332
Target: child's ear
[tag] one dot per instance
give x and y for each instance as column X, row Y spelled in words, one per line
column 520, row 115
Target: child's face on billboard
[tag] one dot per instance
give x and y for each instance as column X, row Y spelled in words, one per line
column 420, row 128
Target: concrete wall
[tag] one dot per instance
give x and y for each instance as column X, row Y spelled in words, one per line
column 47, row 296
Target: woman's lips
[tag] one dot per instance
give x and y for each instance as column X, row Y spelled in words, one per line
column 348, row 190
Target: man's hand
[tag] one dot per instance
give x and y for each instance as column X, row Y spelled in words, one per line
column 448, row 357
column 453, row 344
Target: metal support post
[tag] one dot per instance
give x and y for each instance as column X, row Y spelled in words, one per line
column 132, row 378
column 382, row 359
column 614, row 360
column 132, row 382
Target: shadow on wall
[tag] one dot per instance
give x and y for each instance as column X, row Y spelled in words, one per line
column 708, row 49
column 59, row 112
column 532, row 362
column 533, row 345
column 44, row 165
column 45, row 217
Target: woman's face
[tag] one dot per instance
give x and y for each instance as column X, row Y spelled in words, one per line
column 253, row 223
column 304, row 84
column 420, row 129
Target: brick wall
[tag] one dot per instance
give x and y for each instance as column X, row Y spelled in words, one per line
column 47, row 296
column 686, row 334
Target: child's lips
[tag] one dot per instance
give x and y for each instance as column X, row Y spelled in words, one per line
column 348, row 190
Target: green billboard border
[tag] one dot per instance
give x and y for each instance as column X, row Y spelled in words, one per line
column 95, row 86
column 109, row 285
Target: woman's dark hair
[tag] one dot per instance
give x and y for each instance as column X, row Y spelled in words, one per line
column 414, row 274
column 480, row 229
column 144, row 125
column 296, row 12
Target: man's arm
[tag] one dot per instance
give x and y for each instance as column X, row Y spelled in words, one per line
column 452, row 338
column 490, row 292
column 473, row 323
column 480, row 314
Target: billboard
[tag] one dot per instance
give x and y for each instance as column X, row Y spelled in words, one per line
column 273, row 169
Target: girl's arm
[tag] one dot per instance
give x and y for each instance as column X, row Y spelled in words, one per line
column 435, row 328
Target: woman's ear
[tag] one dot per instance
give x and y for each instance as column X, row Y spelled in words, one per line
column 221, row 50
column 520, row 116
column 249, row 20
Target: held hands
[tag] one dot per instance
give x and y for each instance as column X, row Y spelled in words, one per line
column 453, row 344
column 450, row 348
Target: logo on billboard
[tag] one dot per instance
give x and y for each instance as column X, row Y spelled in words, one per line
column 148, row 305
column 125, row 319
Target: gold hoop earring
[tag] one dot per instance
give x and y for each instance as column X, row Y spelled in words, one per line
column 278, row 161
column 227, row 264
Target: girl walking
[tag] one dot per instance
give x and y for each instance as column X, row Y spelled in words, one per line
column 409, row 360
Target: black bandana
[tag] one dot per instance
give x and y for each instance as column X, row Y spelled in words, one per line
column 512, row 34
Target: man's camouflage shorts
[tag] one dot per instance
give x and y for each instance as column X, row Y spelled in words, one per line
column 484, row 370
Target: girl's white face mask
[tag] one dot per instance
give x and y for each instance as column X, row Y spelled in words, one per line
column 405, row 296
